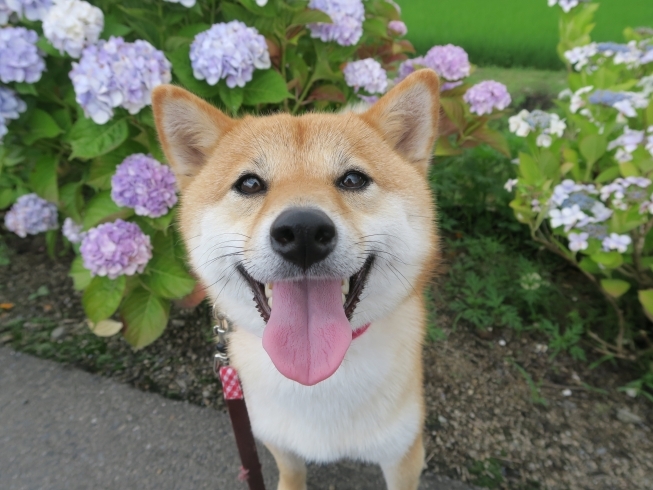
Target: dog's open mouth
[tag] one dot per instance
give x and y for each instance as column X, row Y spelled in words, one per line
column 351, row 290
column 307, row 329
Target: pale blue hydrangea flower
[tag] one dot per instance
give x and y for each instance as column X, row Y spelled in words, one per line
column 29, row 9
column 229, row 51
column 5, row 12
column 72, row 231
column 485, row 97
column 367, row 74
column 10, row 108
column 397, row 27
column 20, row 59
column 347, row 18
column 116, row 249
column 617, row 242
column 31, row 215
column 144, row 184
column 115, row 73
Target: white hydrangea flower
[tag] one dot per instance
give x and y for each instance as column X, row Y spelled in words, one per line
column 566, row 217
column 510, row 184
column 543, row 140
column 518, row 125
column 578, row 241
column 71, row 25
column 191, row 3
column 557, row 126
column 623, row 156
column 616, row 242
column 577, row 101
column 580, row 55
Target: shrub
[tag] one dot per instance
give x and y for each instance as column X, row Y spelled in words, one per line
column 78, row 135
column 584, row 186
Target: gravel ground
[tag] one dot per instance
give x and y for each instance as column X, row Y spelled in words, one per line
column 569, row 428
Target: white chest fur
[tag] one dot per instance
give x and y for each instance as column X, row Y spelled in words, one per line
column 370, row 409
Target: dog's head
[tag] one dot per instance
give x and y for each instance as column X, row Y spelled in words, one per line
column 305, row 229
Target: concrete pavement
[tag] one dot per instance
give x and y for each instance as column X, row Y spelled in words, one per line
column 65, row 429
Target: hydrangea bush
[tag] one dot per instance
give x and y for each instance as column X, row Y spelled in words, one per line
column 585, row 185
column 79, row 156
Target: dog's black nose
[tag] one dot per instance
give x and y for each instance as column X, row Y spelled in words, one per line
column 303, row 236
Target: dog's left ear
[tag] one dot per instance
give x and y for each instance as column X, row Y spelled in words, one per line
column 408, row 115
column 189, row 129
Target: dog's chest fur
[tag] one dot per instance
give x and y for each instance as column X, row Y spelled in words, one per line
column 370, row 409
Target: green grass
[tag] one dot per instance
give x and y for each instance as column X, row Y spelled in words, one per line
column 511, row 32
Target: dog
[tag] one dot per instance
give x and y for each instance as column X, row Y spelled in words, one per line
column 316, row 236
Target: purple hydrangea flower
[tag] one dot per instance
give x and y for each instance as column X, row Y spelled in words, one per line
column 115, row 73
column 10, row 108
column 367, row 74
column 231, row 51
column 347, row 17
column 72, row 231
column 449, row 61
column 486, row 96
column 397, row 27
column 5, row 12
column 144, row 184
column 20, row 59
column 116, row 249
column 29, row 9
column 31, row 215
column 408, row 67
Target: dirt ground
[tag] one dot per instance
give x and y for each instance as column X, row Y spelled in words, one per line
column 568, row 428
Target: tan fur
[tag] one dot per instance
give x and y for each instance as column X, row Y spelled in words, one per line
column 301, row 158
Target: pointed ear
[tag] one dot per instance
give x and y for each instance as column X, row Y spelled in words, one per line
column 189, row 129
column 408, row 115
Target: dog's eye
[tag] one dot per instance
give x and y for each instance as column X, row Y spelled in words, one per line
column 353, row 181
column 250, row 184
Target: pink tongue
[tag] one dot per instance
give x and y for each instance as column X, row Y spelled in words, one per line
column 308, row 333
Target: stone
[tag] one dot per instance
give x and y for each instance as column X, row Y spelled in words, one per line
column 628, row 417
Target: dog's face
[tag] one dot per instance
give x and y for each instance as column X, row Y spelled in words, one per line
column 305, row 229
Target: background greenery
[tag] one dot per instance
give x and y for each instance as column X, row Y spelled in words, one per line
column 510, row 32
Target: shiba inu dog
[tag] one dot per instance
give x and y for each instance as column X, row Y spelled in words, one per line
column 316, row 236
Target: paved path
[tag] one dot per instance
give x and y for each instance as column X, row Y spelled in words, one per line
column 64, row 429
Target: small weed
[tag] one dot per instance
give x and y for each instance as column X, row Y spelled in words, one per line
column 567, row 340
column 536, row 396
column 488, row 473
column 41, row 291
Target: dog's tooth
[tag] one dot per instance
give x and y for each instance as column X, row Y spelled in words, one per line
column 343, row 299
column 345, row 286
column 270, row 302
column 268, row 289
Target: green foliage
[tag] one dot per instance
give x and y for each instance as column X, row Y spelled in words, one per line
column 536, row 395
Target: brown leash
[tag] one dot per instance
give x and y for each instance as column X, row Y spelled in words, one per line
column 251, row 470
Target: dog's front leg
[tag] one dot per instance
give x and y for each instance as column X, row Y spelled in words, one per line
column 404, row 474
column 292, row 469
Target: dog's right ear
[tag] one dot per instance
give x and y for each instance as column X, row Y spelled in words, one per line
column 189, row 129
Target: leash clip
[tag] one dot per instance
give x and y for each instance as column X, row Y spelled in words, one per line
column 220, row 331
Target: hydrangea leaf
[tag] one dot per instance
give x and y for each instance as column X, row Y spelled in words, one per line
column 529, row 169
column 268, row 10
column 102, row 208
column 145, row 316
column 102, row 168
column 646, row 299
column 106, row 328
column 609, row 260
column 80, row 275
column 41, row 125
column 589, row 265
column 43, row 178
column 615, row 287
column 90, row 140
column 628, row 169
column 102, row 297
column 593, row 147
column 493, row 138
column 608, row 174
column 165, row 275
column 114, row 27
column 310, row 16
column 231, row 97
column 266, row 87
column 71, row 200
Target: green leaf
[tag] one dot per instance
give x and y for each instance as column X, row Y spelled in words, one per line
column 231, row 97
column 310, row 16
column 80, row 275
column 268, row 10
column 72, row 200
column 529, row 169
column 493, row 138
column 608, row 174
column 41, row 125
column 25, row 88
column 102, row 168
column 145, row 316
column 592, row 147
column 646, row 299
column 453, row 109
column 165, row 275
column 183, row 70
column 628, row 169
column 102, row 297
column 43, row 178
column 589, row 265
column 90, row 140
column 114, row 27
column 375, row 28
column 266, row 87
column 102, row 208
column 609, row 260
column 615, row 287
